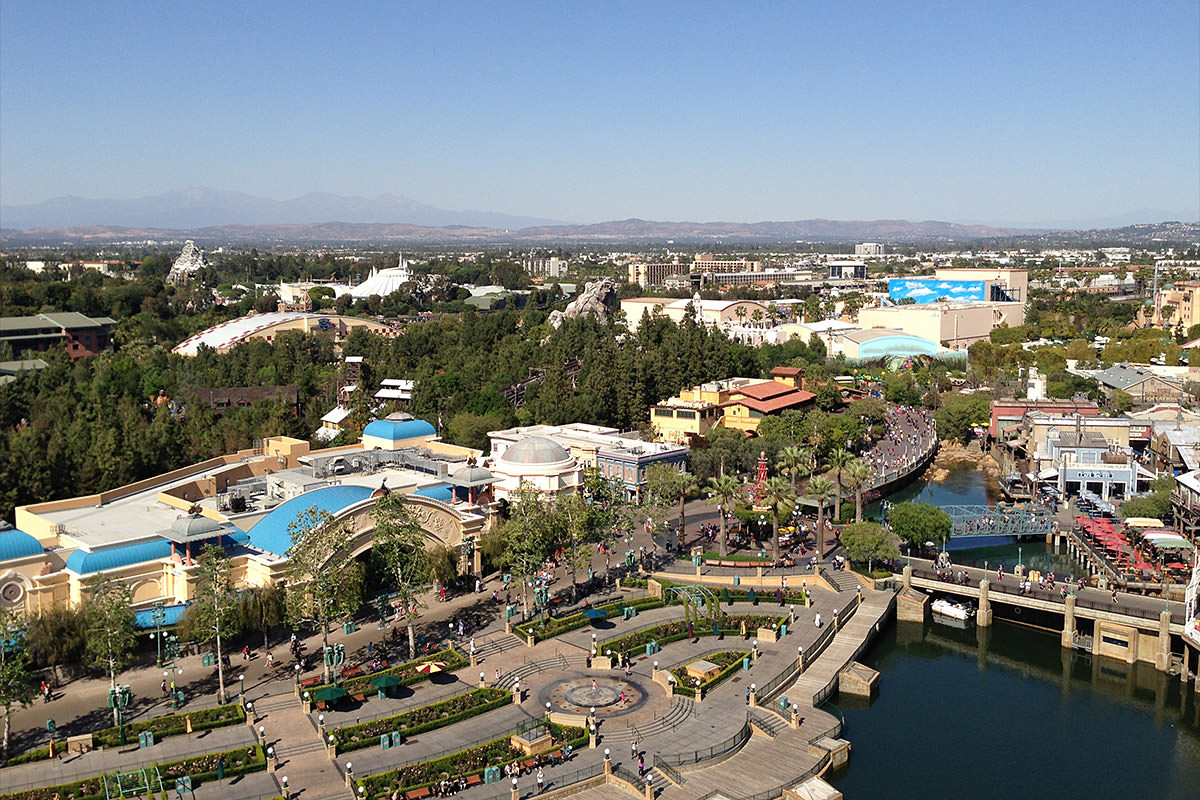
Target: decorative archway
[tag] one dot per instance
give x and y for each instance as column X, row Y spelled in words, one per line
column 441, row 522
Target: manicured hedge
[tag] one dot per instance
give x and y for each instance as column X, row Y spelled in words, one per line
column 240, row 761
column 407, row 672
column 728, row 625
column 471, row 761
column 547, row 629
column 422, row 719
column 731, row 660
column 163, row 726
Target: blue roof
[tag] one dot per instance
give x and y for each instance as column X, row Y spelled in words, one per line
column 396, row 430
column 145, row 619
column 271, row 532
column 16, row 543
column 82, row 562
column 440, row 492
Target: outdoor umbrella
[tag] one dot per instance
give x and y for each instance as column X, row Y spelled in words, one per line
column 330, row 693
column 595, row 613
column 385, row 681
column 431, row 667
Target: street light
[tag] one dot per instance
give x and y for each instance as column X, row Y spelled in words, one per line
column 242, row 688
column 158, row 615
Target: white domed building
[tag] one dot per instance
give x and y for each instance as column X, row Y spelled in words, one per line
column 540, row 463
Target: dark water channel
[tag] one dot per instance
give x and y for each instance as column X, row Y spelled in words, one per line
column 1005, row 712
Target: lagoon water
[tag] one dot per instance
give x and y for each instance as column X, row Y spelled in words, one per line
column 1005, row 712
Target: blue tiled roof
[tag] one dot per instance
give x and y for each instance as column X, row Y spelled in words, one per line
column 82, row 562
column 16, row 543
column 145, row 619
column 441, row 492
column 396, row 430
column 271, row 532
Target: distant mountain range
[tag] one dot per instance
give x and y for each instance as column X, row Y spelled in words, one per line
column 194, row 208
column 214, row 217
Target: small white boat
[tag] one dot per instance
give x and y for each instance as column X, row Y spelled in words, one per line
column 951, row 609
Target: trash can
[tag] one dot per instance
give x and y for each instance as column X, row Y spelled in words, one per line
column 348, row 627
column 736, row 580
column 745, row 663
column 385, row 741
column 783, row 703
column 208, row 660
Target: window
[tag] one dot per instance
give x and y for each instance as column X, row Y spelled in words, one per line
column 756, row 414
column 663, row 412
column 685, row 414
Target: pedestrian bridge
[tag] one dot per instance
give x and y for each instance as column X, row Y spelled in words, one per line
column 1002, row 519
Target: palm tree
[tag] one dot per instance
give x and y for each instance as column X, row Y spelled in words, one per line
column 838, row 460
column 858, row 475
column 793, row 461
column 685, row 485
column 778, row 494
column 821, row 488
column 725, row 491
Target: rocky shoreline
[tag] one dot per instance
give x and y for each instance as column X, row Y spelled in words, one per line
column 951, row 456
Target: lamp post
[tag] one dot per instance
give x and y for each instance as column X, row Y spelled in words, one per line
column 158, row 615
column 297, row 672
column 286, row 794
column 242, row 688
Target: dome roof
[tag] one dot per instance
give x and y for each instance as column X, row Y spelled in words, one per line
column 439, row 492
column 468, row 475
column 194, row 526
column 535, row 450
column 16, row 543
column 83, row 562
column 271, row 532
column 397, row 430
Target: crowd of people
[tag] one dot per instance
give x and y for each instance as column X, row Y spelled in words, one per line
column 907, row 434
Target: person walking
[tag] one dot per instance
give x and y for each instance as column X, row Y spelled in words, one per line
column 541, row 781
column 633, row 750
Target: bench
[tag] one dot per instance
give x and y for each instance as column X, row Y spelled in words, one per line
column 362, row 698
column 529, row 764
column 308, row 683
column 417, row 794
column 474, row 779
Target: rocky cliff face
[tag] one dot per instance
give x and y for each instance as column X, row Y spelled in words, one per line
column 598, row 298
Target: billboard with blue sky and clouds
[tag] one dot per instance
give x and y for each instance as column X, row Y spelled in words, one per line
column 929, row 290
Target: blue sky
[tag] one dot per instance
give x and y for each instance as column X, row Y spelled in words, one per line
column 998, row 112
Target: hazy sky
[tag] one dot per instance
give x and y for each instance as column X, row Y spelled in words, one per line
column 996, row 112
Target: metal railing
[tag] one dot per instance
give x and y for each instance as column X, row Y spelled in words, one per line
column 700, row 756
column 521, row 727
column 554, row 781
column 672, row 774
column 631, row 778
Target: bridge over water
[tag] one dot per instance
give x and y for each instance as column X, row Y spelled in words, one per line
column 1026, row 519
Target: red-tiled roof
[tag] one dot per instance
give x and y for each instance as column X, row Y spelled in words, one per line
column 787, row 372
column 764, row 390
column 789, row 400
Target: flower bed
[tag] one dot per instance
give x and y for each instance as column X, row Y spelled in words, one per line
column 728, row 625
column 161, row 727
column 407, row 672
column 471, row 761
column 240, row 761
column 550, row 628
column 791, row 596
column 729, row 660
column 425, row 718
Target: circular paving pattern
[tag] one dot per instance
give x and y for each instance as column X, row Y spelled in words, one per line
column 578, row 694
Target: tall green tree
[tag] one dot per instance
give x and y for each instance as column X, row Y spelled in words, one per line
column 917, row 523
column 16, row 684
column 793, row 461
column 527, row 540
column 868, row 541
column 324, row 584
column 725, row 490
column 215, row 605
column 821, row 488
column 778, row 495
column 667, row 485
column 56, row 636
column 858, row 475
column 838, row 460
column 400, row 547
column 261, row 608
column 108, row 621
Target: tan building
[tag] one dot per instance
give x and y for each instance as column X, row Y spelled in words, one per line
column 953, row 325
column 1184, row 301
column 148, row 534
column 737, row 403
column 719, row 314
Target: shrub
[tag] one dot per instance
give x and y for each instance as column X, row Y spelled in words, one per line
column 407, row 672
column 731, row 660
column 425, row 718
column 552, row 627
